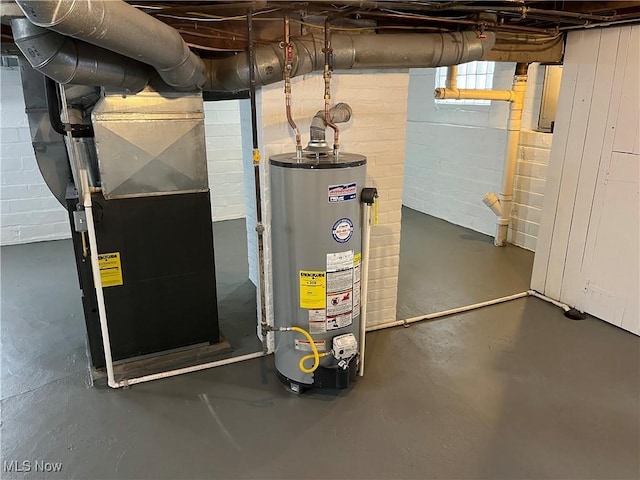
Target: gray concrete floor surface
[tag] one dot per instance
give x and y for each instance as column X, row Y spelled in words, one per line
column 510, row 391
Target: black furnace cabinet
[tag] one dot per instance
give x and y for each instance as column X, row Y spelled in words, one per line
column 167, row 296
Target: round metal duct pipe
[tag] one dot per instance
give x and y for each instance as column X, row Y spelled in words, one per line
column 67, row 60
column 119, row 27
column 349, row 52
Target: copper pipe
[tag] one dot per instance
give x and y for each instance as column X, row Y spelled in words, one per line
column 327, row 88
column 288, row 56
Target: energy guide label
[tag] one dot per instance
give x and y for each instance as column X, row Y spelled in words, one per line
column 110, row 269
column 312, row 289
column 317, row 321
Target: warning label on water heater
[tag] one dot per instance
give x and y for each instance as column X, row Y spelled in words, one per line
column 305, row 346
column 343, row 193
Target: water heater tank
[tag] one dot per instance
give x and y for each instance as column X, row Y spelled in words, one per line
column 316, row 217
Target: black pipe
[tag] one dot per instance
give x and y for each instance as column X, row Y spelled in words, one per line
column 256, row 176
column 53, row 105
column 252, row 81
column 54, row 110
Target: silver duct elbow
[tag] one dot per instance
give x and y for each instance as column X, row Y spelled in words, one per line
column 339, row 113
column 67, row 60
column 350, row 52
column 119, row 27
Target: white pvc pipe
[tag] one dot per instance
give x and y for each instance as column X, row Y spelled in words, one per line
column 514, row 126
column 453, row 311
column 97, row 280
column 194, row 368
column 364, row 282
column 463, row 94
column 563, row 306
column 515, row 97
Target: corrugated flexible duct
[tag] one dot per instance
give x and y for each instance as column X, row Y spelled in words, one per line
column 119, row 27
column 67, row 60
column 350, row 52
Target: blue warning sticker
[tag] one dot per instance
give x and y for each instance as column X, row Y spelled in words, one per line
column 342, row 230
column 342, row 193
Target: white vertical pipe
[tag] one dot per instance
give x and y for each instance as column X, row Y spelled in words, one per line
column 364, row 281
column 514, row 126
column 97, row 280
column 452, row 78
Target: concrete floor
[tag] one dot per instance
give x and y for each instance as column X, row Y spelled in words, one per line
column 510, row 391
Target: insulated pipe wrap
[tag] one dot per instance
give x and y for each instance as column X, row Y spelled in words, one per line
column 67, row 60
column 119, row 27
column 349, row 52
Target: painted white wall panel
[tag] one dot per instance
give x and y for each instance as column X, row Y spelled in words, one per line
column 589, row 239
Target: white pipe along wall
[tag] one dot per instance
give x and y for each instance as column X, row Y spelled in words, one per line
column 500, row 205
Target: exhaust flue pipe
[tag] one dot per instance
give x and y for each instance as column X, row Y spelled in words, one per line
column 349, row 52
column 119, row 27
column 339, row 113
column 67, row 60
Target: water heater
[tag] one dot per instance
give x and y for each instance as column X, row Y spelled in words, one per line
column 316, row 231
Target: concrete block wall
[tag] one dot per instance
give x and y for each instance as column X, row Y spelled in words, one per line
column 28, row 210
column 377, row 130
column 224, row 159
column 30, row 213
column 531, row 171
column 455, row 155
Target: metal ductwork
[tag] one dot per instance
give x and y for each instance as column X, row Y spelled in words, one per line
column 350, row 52
column 119, row 27
column 67, row 60
column 339, row 113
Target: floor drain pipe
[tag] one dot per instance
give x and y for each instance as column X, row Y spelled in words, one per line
column 500, row 204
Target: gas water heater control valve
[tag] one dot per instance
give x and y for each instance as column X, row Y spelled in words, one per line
column 344, row 348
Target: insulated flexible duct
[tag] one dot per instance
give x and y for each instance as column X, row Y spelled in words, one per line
column 67, row 60
column 349, row 52
column 119, row 27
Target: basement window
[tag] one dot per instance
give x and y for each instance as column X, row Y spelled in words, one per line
column 472, row 75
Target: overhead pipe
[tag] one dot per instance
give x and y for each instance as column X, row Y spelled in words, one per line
column 288, row 66
column 67, row 60
column 328, row 68
column 349, row 52
column 120, row 27
column 501, row 204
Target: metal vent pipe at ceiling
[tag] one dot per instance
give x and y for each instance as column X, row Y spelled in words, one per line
column 121, row 28
column 68, row 60
column 350, row 52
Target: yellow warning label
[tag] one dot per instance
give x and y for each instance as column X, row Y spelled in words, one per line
column 110, row 269
column 313, row 289
column 356, row 258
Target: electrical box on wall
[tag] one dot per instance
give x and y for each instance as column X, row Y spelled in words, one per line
column 550, row 93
